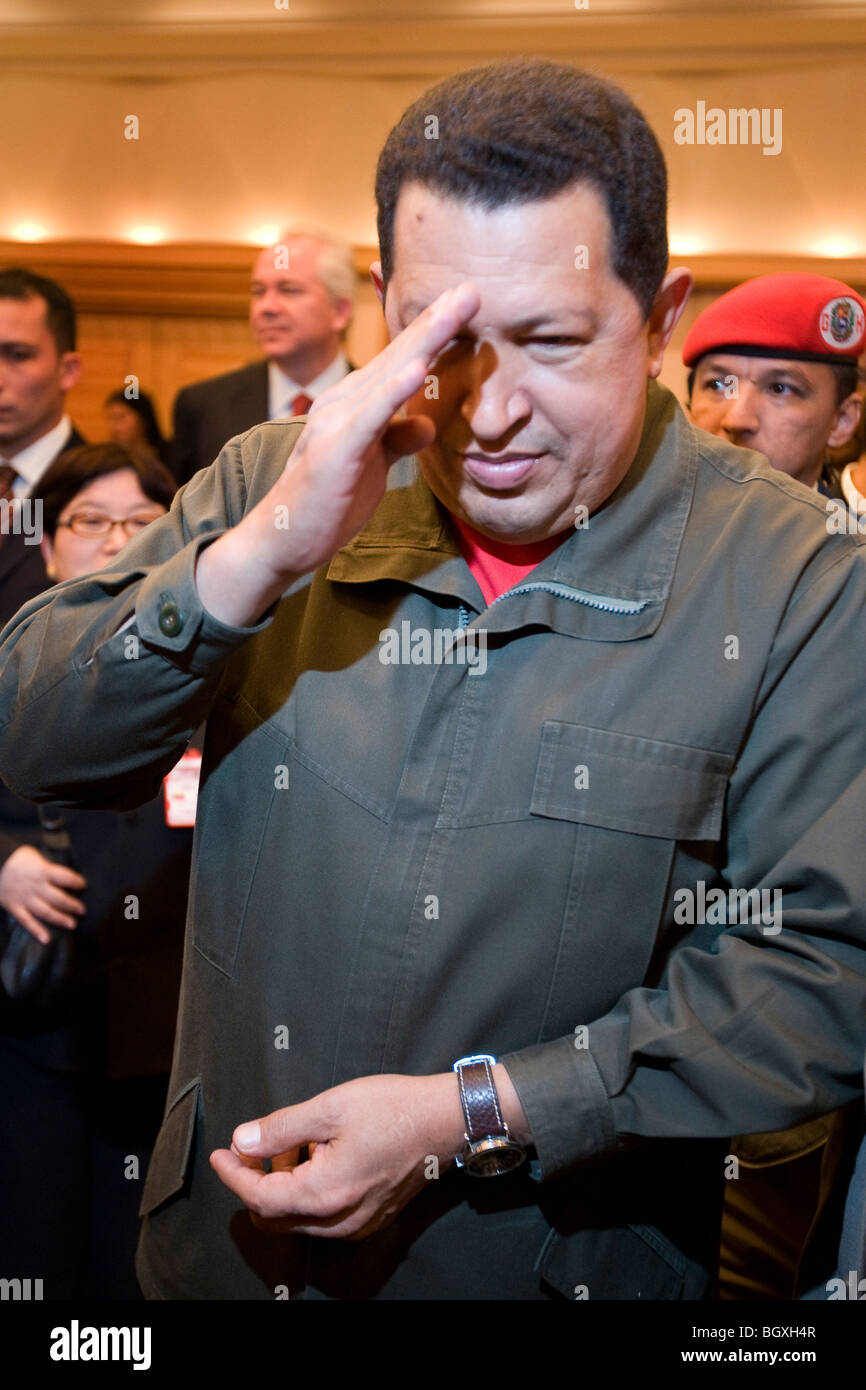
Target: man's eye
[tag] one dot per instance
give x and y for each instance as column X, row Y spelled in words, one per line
column 713, row 383
column 783, row 388
column 552, row 343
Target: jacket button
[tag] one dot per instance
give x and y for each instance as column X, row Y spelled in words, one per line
column 170, row 621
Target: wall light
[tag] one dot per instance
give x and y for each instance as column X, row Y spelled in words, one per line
column 146, row 236
column 837, row 247
column 264, row 236
column 29, row 231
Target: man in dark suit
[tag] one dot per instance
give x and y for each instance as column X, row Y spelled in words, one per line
column 302, row 296
column 38, row 365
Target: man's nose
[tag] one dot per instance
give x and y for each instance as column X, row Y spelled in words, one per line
column 267, row 303
column 496, row 400
column 740, row 415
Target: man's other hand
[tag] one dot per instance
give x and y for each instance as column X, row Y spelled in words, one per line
column 38, row 891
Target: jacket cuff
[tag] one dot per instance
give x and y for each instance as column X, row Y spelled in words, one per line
column 565, row 1102
column 171, row 618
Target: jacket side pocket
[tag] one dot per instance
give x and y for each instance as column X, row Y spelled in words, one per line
column 170, row 1162
column 627, row 1262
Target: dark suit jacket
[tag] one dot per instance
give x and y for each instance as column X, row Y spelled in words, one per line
column 209, row 413
column 120, row 1018
column 22, row 569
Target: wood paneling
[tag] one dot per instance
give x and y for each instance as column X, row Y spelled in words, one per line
column 168, row 314
column 173, row 314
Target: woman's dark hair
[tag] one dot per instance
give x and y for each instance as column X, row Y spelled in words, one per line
column 525, row 130
column 143, row 406
column 73, row 470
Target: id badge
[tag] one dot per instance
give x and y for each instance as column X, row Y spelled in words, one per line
column 181, row 790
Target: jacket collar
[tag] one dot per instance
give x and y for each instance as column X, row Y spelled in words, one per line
column 609, row 581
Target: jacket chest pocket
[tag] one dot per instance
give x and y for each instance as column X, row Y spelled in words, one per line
column 631, row 799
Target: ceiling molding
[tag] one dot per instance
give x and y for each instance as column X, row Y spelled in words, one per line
column 185, row 278
column 663, row 43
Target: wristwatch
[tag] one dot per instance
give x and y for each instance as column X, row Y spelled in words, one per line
column 490, row 1149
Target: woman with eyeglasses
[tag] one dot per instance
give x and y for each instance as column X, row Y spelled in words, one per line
column 83, row 1077
column 94, row 499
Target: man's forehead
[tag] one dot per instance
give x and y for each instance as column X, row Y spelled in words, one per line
column 288, row 257
column 433, row 227
column 23, row 318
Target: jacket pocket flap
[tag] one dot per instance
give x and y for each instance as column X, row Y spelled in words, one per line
column 621, row 782
column 171, row 1153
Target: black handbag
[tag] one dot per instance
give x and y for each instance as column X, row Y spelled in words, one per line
column 33, row 972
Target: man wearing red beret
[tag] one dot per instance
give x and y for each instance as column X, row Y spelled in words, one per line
column 773, row 367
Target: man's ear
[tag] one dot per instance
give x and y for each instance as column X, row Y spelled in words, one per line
column 378, row 282
column 664, row 315
column 846, row 421
column 70, row 370
column 343, row 309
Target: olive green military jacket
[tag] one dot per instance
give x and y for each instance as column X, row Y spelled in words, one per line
column 535, row 838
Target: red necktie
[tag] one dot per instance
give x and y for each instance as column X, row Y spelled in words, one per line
column 301, row 404
column 7, row 478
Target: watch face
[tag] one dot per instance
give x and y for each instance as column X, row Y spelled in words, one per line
column 492, row 1157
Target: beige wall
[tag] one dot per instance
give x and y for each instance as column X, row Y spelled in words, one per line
column 249, row 128
column 220, row 156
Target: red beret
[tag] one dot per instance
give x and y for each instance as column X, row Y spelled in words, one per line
column 810, row 318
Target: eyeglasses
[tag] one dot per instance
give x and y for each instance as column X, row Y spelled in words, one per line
column 95, row 524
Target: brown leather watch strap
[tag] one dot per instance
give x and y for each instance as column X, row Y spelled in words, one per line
column 480, row 1102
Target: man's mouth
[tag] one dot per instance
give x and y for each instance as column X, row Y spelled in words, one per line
column 499, row 471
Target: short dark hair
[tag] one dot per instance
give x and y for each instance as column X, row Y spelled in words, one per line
column 16, row 283
column 519, row 131
column 72, row 471
column 846, row 374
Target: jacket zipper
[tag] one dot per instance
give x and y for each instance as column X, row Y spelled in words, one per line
column 602, row 601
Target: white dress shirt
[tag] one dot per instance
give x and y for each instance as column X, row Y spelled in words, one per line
column 855, row 499
column 32, row 462
column 282, row 389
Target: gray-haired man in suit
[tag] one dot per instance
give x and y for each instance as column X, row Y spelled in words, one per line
column 302, row 295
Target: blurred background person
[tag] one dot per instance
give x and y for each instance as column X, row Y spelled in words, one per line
column 38, row 366
column 133, row 424
column 83, row 1080
column 302, row 297
column 773, row 367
